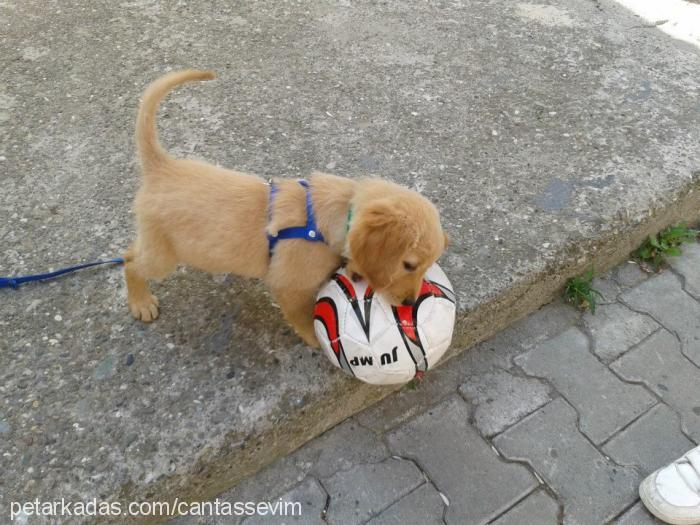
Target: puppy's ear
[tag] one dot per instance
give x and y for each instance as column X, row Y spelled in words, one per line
column 378, row 240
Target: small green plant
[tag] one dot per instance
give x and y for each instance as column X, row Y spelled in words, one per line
column 414, row 383
column 665, row 243
column 580, row 292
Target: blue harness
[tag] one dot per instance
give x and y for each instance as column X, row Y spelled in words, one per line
column 308, row 232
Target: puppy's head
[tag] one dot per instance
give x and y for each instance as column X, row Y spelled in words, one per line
column 393, row 240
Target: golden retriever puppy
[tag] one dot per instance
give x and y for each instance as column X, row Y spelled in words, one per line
column 223, row 221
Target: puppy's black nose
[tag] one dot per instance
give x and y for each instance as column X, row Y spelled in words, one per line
column 407, row 302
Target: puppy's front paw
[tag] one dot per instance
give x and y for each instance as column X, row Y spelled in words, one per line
column 145, row 309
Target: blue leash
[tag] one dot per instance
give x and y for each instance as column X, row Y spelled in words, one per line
column 15, row 282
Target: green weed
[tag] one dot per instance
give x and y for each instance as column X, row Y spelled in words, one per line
column 663, row 244
column 580, row 292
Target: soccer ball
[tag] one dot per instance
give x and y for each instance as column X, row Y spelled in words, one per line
column 368, row 338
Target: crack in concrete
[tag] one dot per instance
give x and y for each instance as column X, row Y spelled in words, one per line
column 660, row 400
column 683, row 279
column 324, row 510
column 380, row 511
column 518, row 502
column 377, row 513
column 426, row 479
column 514, row 371
column 592, row 339
column 626, row 509
column 625, row 427
column 576, row 412
column 673, row 332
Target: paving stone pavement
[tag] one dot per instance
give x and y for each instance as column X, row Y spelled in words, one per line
column 555, row 420
column 538, row 508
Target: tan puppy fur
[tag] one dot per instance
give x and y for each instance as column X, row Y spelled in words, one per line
column 194, row 213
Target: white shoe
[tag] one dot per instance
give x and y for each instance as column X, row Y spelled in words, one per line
column 672, row 493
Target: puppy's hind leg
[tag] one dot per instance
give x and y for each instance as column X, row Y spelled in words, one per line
column 149, row 257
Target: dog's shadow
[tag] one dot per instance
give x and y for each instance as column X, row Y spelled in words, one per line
column 222, row 315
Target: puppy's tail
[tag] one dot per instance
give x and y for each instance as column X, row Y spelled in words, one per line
column 151, row 152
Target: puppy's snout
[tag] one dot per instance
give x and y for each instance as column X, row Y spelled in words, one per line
column 408, row 302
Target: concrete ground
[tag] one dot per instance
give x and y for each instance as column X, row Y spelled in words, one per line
column 549, row 137
column 555, row 420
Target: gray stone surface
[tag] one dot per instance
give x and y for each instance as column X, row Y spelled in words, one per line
column 547, row 322
column 423, row 506
column 592, row 489
column 547, row 148
column 365, row 490
column 638, row 515
column 629, row 274
column 689, row 267
column 604, row 403
column 537, row 509
column 461, row 464
column 341, row 448
column 608, row 288
column 311, row 499
column 615, row 328
column 501, row 399
column 659, row 364
column 409, row 402
column 663, row 298
column 651, row 442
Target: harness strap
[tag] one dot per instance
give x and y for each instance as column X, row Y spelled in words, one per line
column 15, row 282
column 309, row 231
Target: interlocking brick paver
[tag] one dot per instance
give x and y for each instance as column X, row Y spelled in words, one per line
column 423, row 506
column 309, row 494
column 497, row 352
column 365, row 490
column 340, row 448
column 689, row 267
column 629, row 274
column 604, row 402
column 608, row 288
column 591, row 488
column 663, row 298
column 638, row 515
column 537, row 509
column 651, row 442
column 615, row 328
column 461, row 464
column 550, row 320
column 659, row 364
column 502, row 398
column 407, row 403
column 269, row 484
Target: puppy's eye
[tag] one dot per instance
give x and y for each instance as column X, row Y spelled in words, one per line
column 409, row 267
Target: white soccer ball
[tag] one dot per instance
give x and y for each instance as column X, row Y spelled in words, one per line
column 368, row 338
